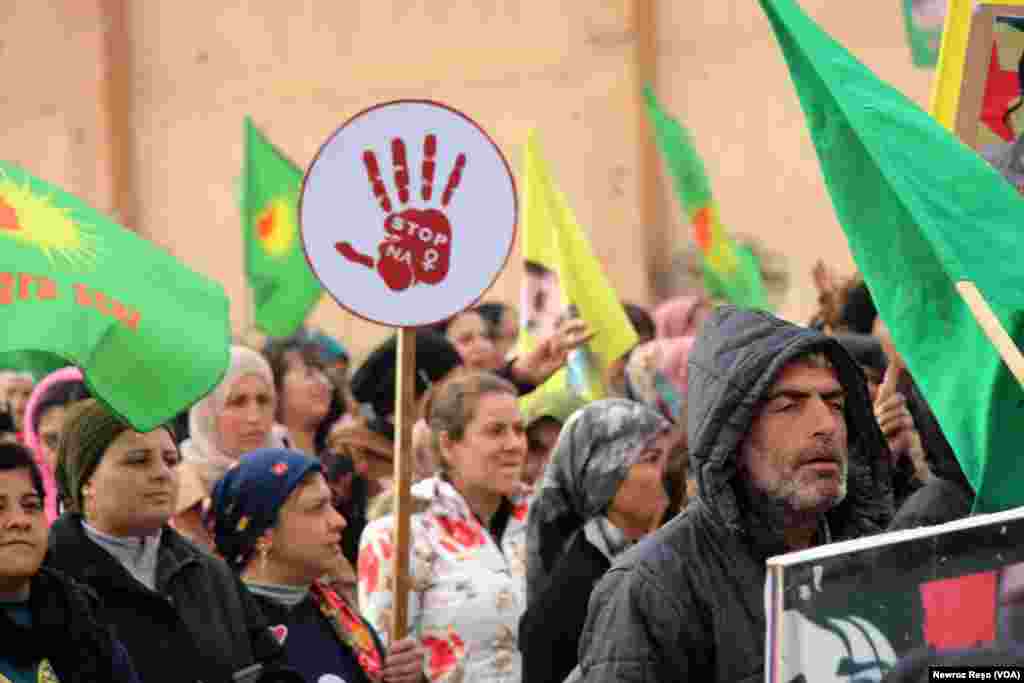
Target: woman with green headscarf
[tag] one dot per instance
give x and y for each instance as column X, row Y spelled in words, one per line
column 181, row 613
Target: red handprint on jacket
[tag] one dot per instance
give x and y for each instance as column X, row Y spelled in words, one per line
column 417, row 242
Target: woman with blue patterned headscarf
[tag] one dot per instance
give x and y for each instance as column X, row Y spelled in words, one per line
column 274, row 524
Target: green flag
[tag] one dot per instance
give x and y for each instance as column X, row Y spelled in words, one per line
column 36, row 363
column 284, row 288
column 921, row 212
column 923, row 22
column 731, row 272
column 151, row 336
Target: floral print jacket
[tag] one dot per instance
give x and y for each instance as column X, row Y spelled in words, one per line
column 467, row 593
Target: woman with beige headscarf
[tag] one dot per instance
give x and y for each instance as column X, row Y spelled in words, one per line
column 235, row 418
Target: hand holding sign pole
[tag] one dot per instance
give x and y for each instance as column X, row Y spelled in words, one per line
column 441, row 246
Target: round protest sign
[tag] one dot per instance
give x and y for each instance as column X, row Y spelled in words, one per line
column 408, row 213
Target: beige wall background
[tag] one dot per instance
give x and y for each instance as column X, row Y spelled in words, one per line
column 154, row 92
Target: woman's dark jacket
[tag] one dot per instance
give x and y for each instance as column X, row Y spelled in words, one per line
column 66, row 633
column 201, row 624
column 549, row 631
column 311, row 647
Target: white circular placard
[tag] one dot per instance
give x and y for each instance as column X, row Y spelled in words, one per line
column 408, row 213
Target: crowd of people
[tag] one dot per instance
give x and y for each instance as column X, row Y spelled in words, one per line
column 552, row 538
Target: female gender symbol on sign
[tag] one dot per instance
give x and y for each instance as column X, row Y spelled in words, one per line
column 408, row 213
column 453, row 245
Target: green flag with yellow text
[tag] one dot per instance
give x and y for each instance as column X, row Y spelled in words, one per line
column 284, row 288
column 151, row 336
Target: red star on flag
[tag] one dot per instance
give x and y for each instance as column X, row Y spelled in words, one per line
column 1002, row 89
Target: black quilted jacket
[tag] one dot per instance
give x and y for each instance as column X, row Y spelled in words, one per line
column 687, row 603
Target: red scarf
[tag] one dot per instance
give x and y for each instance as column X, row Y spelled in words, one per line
column 350, row 629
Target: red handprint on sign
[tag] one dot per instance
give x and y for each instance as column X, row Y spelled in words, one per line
column 417, row 242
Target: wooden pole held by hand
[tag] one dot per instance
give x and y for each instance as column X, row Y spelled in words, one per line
column 994, row 329
column 405, row 415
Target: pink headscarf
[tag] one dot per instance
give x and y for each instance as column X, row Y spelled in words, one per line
column 677, row 317
column 666, row 358
column 675, row 357
column 32, row 437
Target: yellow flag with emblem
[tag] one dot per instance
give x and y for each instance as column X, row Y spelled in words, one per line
column 563, row 278
column 1001, row 86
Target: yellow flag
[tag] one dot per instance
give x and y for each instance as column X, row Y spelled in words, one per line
column 949, row 73
column 561, row 271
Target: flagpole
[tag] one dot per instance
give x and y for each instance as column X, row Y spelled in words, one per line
column 115, row 113
column 405, row 401
column 994, row 329
column 652, row 223
column 248, row 312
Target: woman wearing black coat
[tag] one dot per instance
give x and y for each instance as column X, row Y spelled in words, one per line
column 602, row 491
column 182, row 614
column 47, row 622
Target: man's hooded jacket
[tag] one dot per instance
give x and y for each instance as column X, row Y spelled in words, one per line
column 687, row 603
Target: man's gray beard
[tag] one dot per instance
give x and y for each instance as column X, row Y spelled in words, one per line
column 770, row 511
column 761, row 508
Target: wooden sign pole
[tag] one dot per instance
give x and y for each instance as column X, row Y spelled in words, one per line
column 405, row 415
column 368, row 268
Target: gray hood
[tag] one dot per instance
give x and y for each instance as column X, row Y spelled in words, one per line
column 736, row 359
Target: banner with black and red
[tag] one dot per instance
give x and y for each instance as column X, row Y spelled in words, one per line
column 849, row 611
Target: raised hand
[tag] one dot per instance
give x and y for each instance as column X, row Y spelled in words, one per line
column 827, row 284
column 901, row 433
column 417, row 242
column 552, row 352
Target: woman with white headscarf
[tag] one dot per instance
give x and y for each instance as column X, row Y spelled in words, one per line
column 235, row 418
